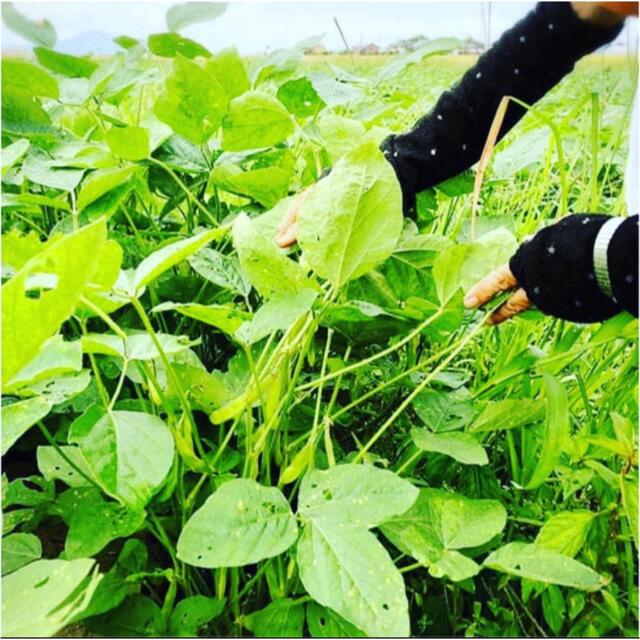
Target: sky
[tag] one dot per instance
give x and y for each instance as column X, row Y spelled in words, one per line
column 256, row 27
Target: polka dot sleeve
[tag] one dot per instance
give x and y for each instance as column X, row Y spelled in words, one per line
column 526, row 62
column 556, row 269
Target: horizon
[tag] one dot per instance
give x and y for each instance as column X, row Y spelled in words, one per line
column 259, row 27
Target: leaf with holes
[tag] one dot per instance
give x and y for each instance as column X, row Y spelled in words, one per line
column 241, row 523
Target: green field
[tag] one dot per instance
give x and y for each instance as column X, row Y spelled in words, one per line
column 205, row 434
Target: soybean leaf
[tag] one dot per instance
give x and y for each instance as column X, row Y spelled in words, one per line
column 193, row 613
column 137, row 616
column 169, row 256
column 543, row 565
column 37, row 32
column 103, row 181
column 55, row 591
column 255, row 120
column 325, row 623
column 228, row 69
column 136, row 346
column 61, row 388
column 24, row 116
column 266, row 185
column 65, row 64
column 300, row 97
column 33, row 319
column 460, row 446
column 507, row 414
column 193, row 102
column 227, row 319
column 351, row 220
column 54, row 467
column 282, row 63
column 565, row 531
column 182, row 15
column 220, row 269
column 359, row 494
column 55, row 357
column 169, row 45
column 95, row 523
column 278, row 313
column 22, row 76
column 129, row 453
column 44, row 171
column 447, row 269
column 555, row 433
column 128, row 143
column 344, row 567
column 282, row 618
column 339, row 134
column 265, row 264
column 114, row 586
column 19, row 417
column 440, row 523
column 18, row 550
column 12, row 154
column 629, row 492
column 241, row 523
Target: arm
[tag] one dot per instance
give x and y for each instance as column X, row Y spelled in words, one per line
column 526, row 62
column 583, row 268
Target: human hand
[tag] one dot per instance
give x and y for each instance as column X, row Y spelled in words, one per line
column 497, row 281
column 287, row 233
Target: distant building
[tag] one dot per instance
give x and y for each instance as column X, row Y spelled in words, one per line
column 370, row 49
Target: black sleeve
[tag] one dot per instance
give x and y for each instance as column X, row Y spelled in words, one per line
column 526, row 62
column 555, row 268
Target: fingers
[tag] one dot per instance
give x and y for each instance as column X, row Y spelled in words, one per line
column 516, row 304
column 499, row 280
column 287, row 232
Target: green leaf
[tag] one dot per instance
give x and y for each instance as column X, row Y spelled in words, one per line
column 169, row 256
column 255, row 120
column 129, row 453
column 265, row 264
column 56, row 357
column 41, row 170
column 61, row 388
column 55, row 591
column 37, row 32
column 439, row 524
column 227, row 319
column 339, row 134
column 54, row 467
column 220, row 269
column 344, row 567
column 358, row 494
column 460, row 446
column 447, row 269
column 193, row 613
column 169, row 45
column 12, row 154
column 556, row 430
column 193, row 102
column 280, row 619
column 282, row 63
column 129, row 143
column 182, row 15
column 114, row 586
column 241, row 523
column 100, row 182
column 324, row 623
column 400, row 63
column 137, row 616
column 18, row 550
column 36, row 315
column 19, row 417
column 351, row 220
column 227, row 68
column 553, row 608
column 277, row 314
column 266, row 185
column 507, row 414
column 22, row 76
column 65, row 64
column 300, row 98
column 565, row 531
column 23, row 115
column 444, row 411
column 534, row 562
column 95, row 523
column 629, row 492
column 136, row 346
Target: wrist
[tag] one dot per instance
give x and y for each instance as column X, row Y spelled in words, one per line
column 595, row 14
